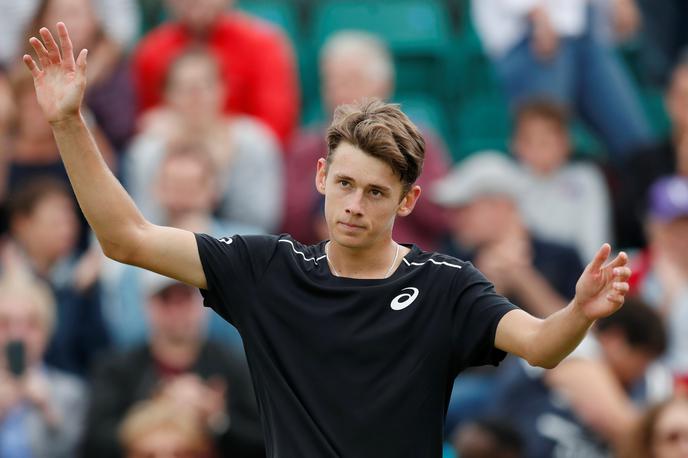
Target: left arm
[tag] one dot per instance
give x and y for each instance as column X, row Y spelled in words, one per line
column 600, row 291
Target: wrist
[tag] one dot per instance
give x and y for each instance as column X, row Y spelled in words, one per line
column 68, row 121
column 578, row 315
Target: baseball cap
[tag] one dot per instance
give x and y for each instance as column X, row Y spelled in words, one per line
column 669, row 198
column 484, row 173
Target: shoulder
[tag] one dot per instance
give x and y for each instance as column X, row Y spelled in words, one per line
column 440, row 264
column 162, row 35
column 251, row 28
column 252, row 135
column 297, row 250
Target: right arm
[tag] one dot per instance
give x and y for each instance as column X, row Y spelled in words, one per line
column 124, row 234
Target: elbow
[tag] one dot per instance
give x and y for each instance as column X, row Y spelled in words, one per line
column 536, row 359
column 122, row 248
column 544, row 363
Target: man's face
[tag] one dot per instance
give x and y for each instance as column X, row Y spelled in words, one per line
column 671, row 238
column 176, row 314
column 347, row 77
column 51, row 229
column 21, row 320
column 362, row 197
column 184, row 186
column 482, row 221
column 198, row 15
column 541, row 144
column 677, row 98
column 627, row 362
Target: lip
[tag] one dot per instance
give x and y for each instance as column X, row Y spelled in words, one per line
column 350, row 226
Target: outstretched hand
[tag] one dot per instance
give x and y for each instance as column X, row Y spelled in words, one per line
column 601, row 289
column 59, row 80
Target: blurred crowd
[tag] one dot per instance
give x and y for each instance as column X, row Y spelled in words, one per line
column 204, row 113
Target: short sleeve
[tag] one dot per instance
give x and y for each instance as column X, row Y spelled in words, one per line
column 477, row 312
column 233, row 267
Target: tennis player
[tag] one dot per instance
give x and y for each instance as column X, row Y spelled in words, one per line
column 353, row 343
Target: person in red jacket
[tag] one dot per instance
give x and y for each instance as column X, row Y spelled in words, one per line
column 257, row 61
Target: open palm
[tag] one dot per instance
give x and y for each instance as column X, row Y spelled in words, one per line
column 60, row 80
column 601, row 289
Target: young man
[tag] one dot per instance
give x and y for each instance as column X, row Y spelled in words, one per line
column 354, row 343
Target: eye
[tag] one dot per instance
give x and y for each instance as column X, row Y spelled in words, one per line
column 376, row 193
column 344, row 183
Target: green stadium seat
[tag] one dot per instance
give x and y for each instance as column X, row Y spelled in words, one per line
column 417, row 32
column 426, row 111
column 281, row 13
column 482, row 122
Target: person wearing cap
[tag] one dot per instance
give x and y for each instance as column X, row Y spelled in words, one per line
column 661, row 270
column 481, row 197
column 180, row 365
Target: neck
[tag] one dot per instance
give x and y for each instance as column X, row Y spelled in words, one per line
column 377, row 261
column 180, row 353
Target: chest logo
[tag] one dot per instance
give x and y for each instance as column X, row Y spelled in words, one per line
column 403, row 300
column 227, row 240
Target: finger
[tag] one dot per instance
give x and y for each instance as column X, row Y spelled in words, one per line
column 621, row 287
column 41, row 52
column 66, row 44
column 622, row 273
column 616, row 298
column 81, row 62
column 601, row 256
column 31, row 65
column 621, row 259
column 51, row 45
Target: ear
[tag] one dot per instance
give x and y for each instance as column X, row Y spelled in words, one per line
column 408, row 202
column 321, row 176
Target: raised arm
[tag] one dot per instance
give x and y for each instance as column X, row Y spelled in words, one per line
column 600, row 291
column 122, row 231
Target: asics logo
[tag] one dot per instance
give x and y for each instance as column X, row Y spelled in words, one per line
column 403, row 300
column 227, row 240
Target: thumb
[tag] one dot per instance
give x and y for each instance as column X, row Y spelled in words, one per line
column 81, row 62
column 600, row 257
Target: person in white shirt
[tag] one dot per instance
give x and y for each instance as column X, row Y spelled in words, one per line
column 562, row 49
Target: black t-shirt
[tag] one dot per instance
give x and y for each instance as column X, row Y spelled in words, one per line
column 347, row 367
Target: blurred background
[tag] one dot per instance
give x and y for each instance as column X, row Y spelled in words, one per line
column 551, row 126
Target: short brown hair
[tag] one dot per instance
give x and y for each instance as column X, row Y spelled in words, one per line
column 24, row 200
column 383, row 131
column 544, row 109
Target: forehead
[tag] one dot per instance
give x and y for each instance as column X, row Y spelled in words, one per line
column 350, row 161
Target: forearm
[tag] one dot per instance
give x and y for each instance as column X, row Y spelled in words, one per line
column 536, row 295
column 107, row 206
column 558, row 335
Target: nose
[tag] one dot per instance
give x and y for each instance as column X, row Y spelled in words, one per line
column 354, row 203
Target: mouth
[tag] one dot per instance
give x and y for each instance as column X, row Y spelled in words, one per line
column 350, row 226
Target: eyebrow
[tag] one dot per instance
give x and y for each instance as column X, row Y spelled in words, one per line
column 339, row 176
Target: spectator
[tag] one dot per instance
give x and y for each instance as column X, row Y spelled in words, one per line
column 481, row 197
column 661, row 271
column 110, row 97
column 634, row 176
column 30, row 147
column 354, row 66
column 186, row 189
column 551, row 48
column 43, row 234
column 663, row 432
column 663, row 37
column 243, row 150
column 586, row 406
column 41, row 408
column 563, row 201
column 158, row 429
column 177, row 363
column 119, row 19
column 488, row 439
column 255, row 59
